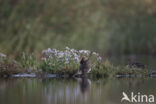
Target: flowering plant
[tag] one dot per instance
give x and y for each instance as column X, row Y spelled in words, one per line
column 55, row 60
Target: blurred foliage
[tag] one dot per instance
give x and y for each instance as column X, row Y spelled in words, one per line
column 28, row 61
column 9, row 66
column 108, row 26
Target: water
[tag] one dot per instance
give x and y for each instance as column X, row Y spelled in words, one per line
column 72, row 91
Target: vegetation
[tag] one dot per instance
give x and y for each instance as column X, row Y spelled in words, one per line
column 8, row 67
column 108, row 26
column 28, row 61
column 64, row 62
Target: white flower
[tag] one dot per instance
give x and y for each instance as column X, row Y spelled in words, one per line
column 30, row 69
column 99, row 58
column 94, row 53
column 60, row 55
column 77, row 59
column 49, row 50
column 2, row 55
column 54, row 51
column 43, row 58
column 73, row 50
column 66, row 62
column 50, row 57
column 67, row 56
column 87, row 52
column 67, row 48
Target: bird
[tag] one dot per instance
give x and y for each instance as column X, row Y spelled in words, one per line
column 85, row 65
column 136, row 64
column 125, row 97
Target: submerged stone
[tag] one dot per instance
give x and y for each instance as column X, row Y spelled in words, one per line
column 24, row 75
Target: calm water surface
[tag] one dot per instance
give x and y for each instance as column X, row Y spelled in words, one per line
column 72, row 91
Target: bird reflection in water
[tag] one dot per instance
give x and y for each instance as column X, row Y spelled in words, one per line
column 85, row 84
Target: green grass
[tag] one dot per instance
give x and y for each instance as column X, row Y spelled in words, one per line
column 28, row 61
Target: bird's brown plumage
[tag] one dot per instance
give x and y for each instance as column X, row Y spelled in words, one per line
column 84, row 65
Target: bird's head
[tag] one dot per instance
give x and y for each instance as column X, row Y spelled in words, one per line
column 84, row 60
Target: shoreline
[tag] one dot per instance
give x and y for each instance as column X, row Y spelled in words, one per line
column 48, row 75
